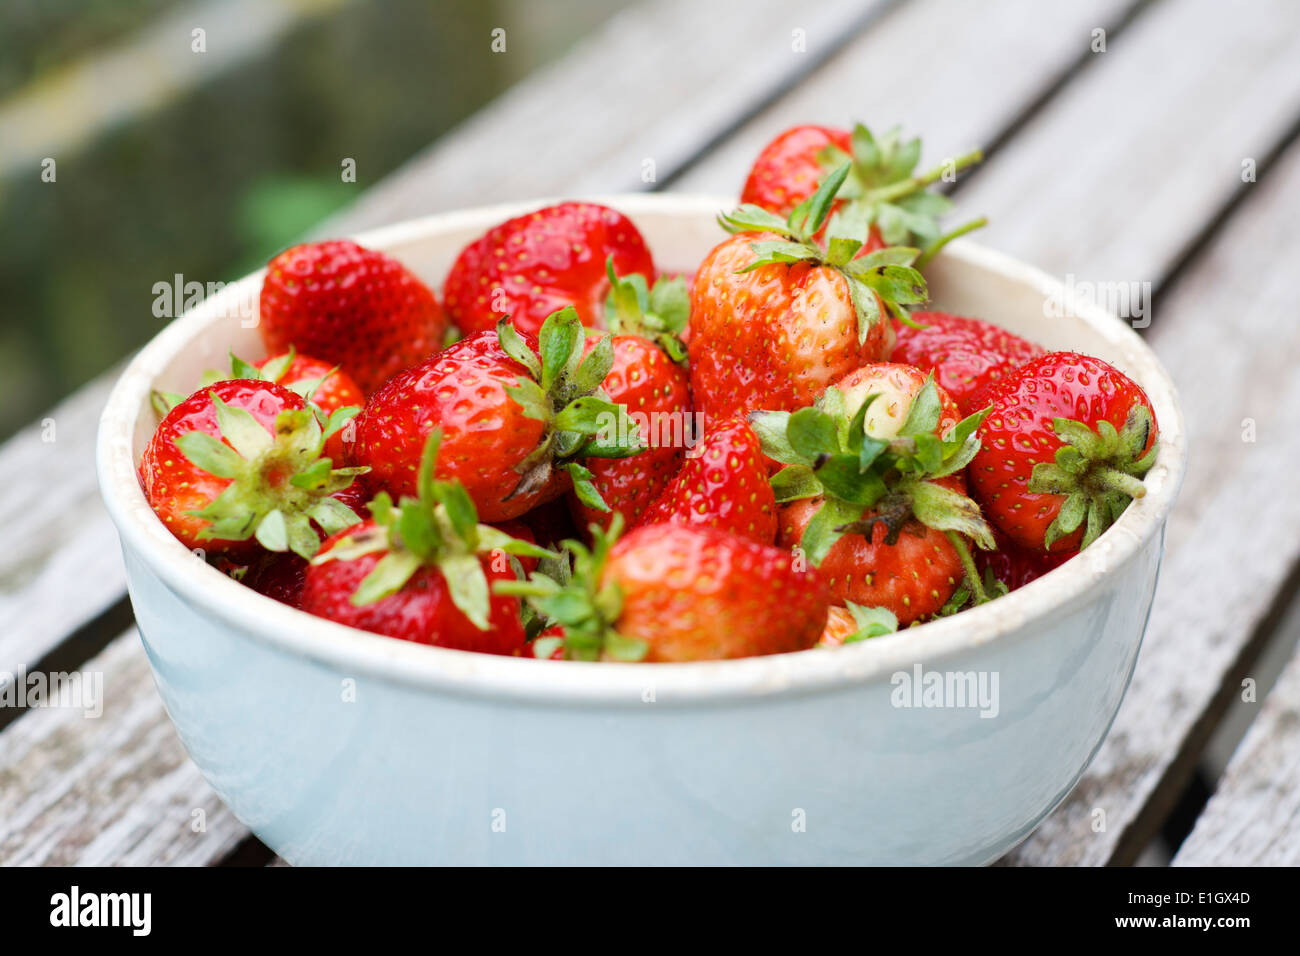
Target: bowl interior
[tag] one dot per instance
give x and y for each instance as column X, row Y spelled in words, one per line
column 680, row 230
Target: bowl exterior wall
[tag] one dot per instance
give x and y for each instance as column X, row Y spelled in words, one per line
column 328, row 767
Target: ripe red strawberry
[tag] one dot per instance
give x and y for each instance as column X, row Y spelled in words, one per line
column 516, row 428
column 914, row 576
column 1064, row 448
column 788, row 169
column 966, row 355
column 538, row 263
column 882, row 193
column 350, row 306
column 325, row 386
column 723, row 483
column 1015, row 566
column 775, row 317
column 673, row 592
column 278, row 576
column 649, row 378
column 238, row 465
column 872, row 490
column 421, row 571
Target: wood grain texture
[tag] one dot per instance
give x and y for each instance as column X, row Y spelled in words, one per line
column 624, row 95
column 956, row 74
column 118, row 789
column 1253, row 819
column 61, row 566
column 1140, row 150
column 1227, row 334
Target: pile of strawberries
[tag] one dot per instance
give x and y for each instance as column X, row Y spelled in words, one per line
column 575, row 456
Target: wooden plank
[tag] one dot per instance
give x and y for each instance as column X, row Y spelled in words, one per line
column 1253, row 819
column 1227, row 335
column 116, row 789
column 957, row 74
column 648, row 86
column 62, row 566
column 1137, row 155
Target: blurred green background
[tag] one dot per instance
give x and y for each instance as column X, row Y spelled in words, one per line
column 168, row 160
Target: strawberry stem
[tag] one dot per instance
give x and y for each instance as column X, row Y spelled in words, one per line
column 905, row 187
column 1116, row 480
column 958, row 543
column 934, row 248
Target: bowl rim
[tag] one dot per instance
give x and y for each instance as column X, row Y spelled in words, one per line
column 358, row 653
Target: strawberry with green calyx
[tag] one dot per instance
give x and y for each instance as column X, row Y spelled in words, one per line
column 647, row 378
column 582, row 606
column 775, row 317
column 326, row 387
column 872, row 489
column 879, row 282
column 1065, row 446
column 322, row 383
column 671, row 592
column 882, row 198
column 515, row 424
column 658, row 314
column 883, row 191
column 564, row 390
column 854, row 623
column 422, row 570
column 240, row 464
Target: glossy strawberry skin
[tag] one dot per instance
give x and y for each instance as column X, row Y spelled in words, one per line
column 786, row 171
column 722, row 484
column 650, row 384
column 280, row 577
column 175, row 486
column 699, row 593
column 1015, row 566
column 772, row 338
column 914, row 577
column 530, row 266
column 336, row 390
column 421, row 612
column 350, row 306
column 965, row 354
column 1018, row 434
column 485, row 433
column 917, row 574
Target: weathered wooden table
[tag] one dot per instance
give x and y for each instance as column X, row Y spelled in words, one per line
column 1128, row 144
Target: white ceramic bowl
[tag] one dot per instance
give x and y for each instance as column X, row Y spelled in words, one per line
column 337, row 746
